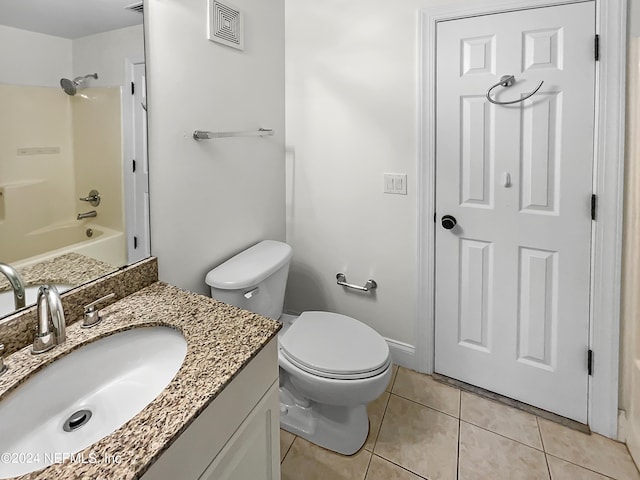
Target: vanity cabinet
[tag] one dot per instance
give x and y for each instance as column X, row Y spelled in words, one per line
column 237, row 437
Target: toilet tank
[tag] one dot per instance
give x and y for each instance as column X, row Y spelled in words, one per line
column 255, row 279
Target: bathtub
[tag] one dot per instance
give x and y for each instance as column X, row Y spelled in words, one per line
column 105, row 244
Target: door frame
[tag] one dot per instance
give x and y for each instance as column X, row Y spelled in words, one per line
column 606, row 250
column 128, row 155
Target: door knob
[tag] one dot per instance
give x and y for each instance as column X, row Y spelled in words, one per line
column 449, row 221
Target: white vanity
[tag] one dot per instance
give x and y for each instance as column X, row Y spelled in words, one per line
column 237, row 437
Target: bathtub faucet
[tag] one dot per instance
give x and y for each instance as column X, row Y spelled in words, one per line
column 17, row 284
column 90, row 214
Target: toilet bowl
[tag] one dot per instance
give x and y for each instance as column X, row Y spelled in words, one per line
column 331, row 365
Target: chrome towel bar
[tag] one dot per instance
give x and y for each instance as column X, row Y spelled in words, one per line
column 342, row 280
column 205, row 135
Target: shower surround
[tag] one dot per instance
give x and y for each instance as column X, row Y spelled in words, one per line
column 54, row 149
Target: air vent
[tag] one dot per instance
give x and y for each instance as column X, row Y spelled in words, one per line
column 136, row 7
column 226, row 25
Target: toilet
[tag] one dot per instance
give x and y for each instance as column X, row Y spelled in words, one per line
column 331, row 365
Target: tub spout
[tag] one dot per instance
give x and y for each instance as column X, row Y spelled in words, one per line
column 90, row 214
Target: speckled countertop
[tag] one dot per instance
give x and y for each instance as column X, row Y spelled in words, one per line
column 221, row 340
column 71, row 269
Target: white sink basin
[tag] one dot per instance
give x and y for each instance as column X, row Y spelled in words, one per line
column 31, row 293
column 113, row 378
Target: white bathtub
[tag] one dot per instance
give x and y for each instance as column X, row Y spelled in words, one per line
column 105, row 244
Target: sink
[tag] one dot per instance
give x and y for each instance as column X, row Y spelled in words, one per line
column 31, row 293
column 92, row 391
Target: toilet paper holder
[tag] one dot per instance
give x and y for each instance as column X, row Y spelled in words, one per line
column 342, row 280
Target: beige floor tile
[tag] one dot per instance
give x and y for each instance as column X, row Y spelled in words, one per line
column 306, row 461
column 561, row 470
column 286, row 439
column 486, row 455
column 376, row 411
column 394, row 372
column 380, row 469
column 507, row 421
column 594, row 452
column 423, row 389
column 419, row 438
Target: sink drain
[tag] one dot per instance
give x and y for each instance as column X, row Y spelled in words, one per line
column 77, row 420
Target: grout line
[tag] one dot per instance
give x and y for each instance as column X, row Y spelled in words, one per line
column 458, row 455
column 393, row 381
column 384, row 412
column 546, row 460
column 426, row 406
column 540, row 434
column 366, row 471
column 398, row 465
column 501, row 435
column 288, row 449
column 581, row 466
column 629, row 453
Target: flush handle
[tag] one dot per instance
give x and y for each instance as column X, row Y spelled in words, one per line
column 248, row 295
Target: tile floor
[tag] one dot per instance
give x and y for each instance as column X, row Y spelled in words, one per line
column 422, row 429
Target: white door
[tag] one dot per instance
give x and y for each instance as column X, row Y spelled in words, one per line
column 513, row 275
column 137, row 208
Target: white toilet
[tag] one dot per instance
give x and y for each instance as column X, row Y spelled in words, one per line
column 331, row 365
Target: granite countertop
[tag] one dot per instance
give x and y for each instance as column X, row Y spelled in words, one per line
column 221, row 340
column 71, row 268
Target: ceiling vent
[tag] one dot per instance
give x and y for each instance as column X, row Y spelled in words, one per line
column 226, row 25
column 136, row 7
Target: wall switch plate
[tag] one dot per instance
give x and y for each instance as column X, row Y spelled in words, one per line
column 395, row 183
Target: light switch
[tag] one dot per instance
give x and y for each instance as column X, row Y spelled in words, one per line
column 395, row 183
column 389, row 184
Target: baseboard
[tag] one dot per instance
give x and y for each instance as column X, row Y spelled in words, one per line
column 403, row 354
column 633, row 441
column 622, row 426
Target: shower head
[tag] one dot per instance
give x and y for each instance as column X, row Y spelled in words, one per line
column 70, row 87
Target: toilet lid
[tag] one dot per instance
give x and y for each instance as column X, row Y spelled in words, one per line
column 335, row 346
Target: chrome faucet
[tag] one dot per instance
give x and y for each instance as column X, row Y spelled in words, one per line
column 51, row 330
column 91, row 316
column 90, row 214
column 19, row 298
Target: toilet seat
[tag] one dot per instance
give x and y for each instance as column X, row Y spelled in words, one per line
column 335, row 346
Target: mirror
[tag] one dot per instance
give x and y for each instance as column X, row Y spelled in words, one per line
column 73, row 168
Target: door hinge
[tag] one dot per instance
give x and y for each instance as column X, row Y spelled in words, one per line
column 594, row 206
column 590, row 362
column 135, row 245
column 133, row 88
column 435, row 216
column 134, row 166
column 596, row 47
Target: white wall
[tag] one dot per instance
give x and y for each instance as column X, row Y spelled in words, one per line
column 211, row 199
column 105, row 54
column 630, row 305
column 352, row 108
column 634, row 18
column 630, row 311
column 33, row 59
